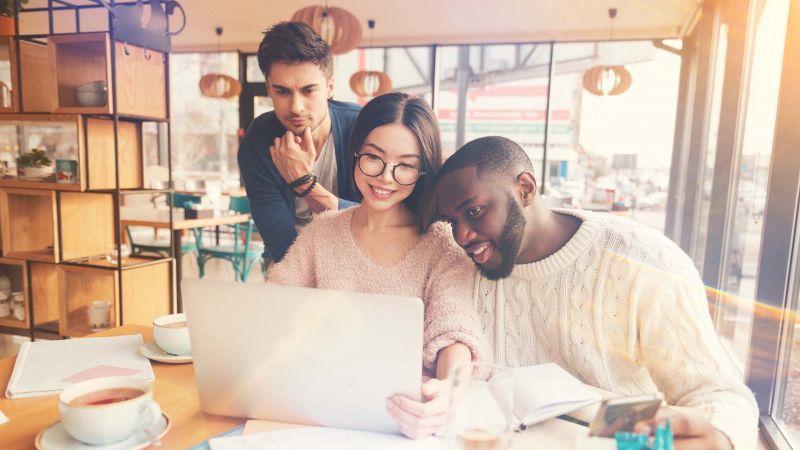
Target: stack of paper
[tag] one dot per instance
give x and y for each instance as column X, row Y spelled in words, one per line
column 48, row 367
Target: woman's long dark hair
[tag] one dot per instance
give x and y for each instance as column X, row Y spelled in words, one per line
column 415, row 114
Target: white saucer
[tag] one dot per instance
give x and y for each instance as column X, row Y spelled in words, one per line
column 153, row 351
column 55, row 437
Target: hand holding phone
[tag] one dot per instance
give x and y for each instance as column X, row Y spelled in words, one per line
column 621, row 414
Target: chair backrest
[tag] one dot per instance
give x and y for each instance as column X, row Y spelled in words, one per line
column 240, row 205
column 183, row 200
column 194, row 185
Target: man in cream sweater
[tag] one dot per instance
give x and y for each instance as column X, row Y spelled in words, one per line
column 616, row 304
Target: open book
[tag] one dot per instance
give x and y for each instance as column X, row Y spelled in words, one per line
column 545, row 391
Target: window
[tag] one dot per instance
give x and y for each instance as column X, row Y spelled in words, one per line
column 614, row 152
column 743, row 248
column 487, row 90
column 204, row 130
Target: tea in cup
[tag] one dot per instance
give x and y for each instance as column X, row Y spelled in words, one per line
column 171, row 333
column 103, row 411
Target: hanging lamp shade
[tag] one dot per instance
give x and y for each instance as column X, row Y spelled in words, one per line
column 369, row 83
column 607, row 80
column 217, row 85
column 340, row 29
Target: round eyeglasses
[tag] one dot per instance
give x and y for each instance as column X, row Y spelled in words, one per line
column 373, row 166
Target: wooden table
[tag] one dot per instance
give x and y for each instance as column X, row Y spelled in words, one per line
column 175, row 391
column 148, row 217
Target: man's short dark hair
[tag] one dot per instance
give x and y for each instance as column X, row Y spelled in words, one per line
column 294, row 43
column 491, row 155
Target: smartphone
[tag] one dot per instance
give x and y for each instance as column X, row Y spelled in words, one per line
column 621, row 414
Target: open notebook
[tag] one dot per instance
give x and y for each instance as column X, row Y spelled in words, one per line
column 47, row 367
column 545, row 391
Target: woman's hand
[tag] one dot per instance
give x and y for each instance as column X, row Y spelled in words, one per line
column 424, row 418
column 690, row 431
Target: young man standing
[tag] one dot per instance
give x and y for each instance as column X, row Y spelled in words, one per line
column 616, row 304
column 295, row 160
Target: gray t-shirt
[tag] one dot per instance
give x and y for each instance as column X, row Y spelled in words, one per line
column 325, row 169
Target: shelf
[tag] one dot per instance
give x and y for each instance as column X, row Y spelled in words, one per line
column 48, row 184
column 45, row 292
column 17, row 271
column 130, row 262
column 85, row 58
column 86, row 224
column 89, row 141
column 146, row 289
column 27, row 224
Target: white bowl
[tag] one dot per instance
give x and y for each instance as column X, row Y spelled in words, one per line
column 94, row 86
column 90, row 98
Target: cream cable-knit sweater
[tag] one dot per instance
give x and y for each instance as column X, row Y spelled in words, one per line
column 325, row 255
column 623, row 308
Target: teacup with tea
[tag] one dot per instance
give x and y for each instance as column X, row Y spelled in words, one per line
column 171, row 333
column 103, row 411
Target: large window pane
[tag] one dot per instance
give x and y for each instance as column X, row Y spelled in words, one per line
column 613, row 153
column 204, row 139
column 744, row 246
column 490, row 90
column 717, row 83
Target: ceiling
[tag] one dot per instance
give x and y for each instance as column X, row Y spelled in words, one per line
column 410, row 22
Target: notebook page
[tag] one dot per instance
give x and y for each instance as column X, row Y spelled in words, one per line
column 546, row 390
column 42, row 367
column 328, row 438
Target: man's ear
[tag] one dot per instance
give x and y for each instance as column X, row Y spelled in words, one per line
column 526, row 184
column 330, row 87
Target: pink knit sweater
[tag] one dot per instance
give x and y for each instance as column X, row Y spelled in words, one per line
column 325, row 255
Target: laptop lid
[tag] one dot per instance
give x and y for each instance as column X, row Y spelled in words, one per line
column 301, row 355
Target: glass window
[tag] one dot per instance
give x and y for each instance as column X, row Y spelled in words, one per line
column 613, row 153
column 743, row 248
column 711, row 146
column 204, row 129
column 503, row 90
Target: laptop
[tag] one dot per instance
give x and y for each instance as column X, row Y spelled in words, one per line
column 301, row 355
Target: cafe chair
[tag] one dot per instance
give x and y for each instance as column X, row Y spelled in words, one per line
column 161, row 246
column 243, row 252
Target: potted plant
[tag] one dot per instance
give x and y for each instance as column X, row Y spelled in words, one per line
column 7, row 16
column 34, row 165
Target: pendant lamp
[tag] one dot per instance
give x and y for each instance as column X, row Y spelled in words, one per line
column 340, row 29
column 608, row 80
column 370, row 83
column 219, row 85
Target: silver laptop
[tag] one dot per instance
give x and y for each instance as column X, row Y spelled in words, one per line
column 300, row 355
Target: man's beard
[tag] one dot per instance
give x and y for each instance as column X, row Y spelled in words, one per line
column 510, row 242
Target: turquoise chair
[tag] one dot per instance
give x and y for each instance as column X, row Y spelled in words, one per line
column 243, row 252
column 162, row 246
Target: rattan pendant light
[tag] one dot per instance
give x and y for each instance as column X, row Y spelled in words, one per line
column 370, row 83
column 607, row 80
column 340, row 29
column 219, row 85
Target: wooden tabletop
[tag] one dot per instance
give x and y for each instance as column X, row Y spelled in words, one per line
column 174, row 389
column 152, row 219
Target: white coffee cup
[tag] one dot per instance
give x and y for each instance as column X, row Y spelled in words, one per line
column 103, row 411
column 171, row 333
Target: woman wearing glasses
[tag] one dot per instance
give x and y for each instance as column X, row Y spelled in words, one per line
column 383, row 246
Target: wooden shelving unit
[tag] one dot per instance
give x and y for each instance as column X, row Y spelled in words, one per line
column 55, row 235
